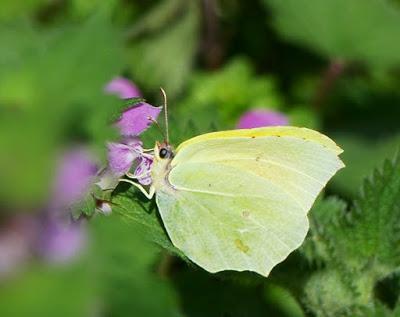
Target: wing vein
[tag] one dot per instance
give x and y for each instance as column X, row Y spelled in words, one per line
column 179, row 187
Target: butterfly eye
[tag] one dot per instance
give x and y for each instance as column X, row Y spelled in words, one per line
column 163, row 153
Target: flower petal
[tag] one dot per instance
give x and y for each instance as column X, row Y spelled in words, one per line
column 105, row 208
column 123, row 88
column 135, row 120
column 261, row 118
column 60, row 241
column 142, row 171
column 121, row 157
column 74, row 176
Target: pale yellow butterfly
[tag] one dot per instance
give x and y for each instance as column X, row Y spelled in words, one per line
column 238, row 200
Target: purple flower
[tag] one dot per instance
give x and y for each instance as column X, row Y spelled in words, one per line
column 128, row 154
column 105, row 208
column 123, row 88
column 60, row 239
column 121, row 156
column 142, row 171
column 137, row 119
column 74, row 176
column 261, row 118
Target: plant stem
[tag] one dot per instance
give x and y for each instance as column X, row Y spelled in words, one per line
column 211, row 48
column 164, row 267
column 335, row 69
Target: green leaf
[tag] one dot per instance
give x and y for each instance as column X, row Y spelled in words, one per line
column 86, row 206
column 353, row 30
column 327, row 295
column 160, row 59
column 357, row 248
column 369, row 236
column 136, row 209
column 125, row 263
column 324, row 215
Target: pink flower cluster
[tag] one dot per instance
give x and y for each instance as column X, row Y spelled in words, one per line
column 128, row 157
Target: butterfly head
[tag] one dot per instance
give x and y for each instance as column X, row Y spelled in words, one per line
column 163, row 155
column 163, row 151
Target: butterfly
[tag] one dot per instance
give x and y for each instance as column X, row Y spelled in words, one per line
column 238, row 200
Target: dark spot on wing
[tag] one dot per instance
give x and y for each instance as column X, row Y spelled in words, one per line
column 241, row 246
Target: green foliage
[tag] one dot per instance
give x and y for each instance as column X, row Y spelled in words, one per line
column 354, row 249
column 172, row 71
column 372, row 226
column 372, row 152
column 51, row 91
column 352, row 30
column 48, row 291
column 125, row 263
column 15, row 9
column 229, row 92
column 143, row 212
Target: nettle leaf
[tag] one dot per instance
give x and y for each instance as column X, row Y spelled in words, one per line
column 324, row 215
column 368, row 238
column 355, row 248
column 354, row 30
column 134, row 208
column 86, row 206
column 327, row 295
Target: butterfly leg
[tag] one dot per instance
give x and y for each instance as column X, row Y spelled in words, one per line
column 148, row 195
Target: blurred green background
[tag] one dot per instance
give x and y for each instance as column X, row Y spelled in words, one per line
column 330, row 65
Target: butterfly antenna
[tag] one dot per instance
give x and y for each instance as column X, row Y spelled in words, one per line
column 150, row 118
column 165, row 114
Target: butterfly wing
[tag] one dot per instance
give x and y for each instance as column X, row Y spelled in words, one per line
column 238, row 200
